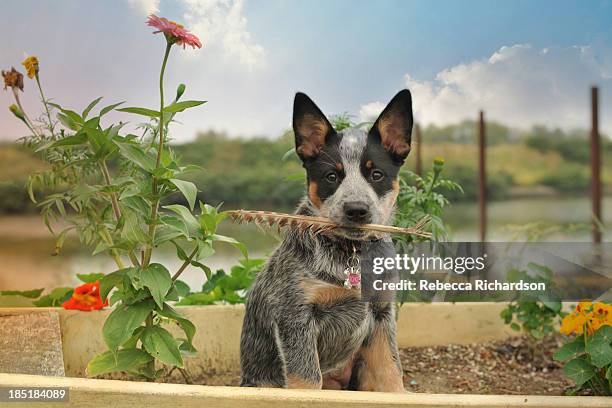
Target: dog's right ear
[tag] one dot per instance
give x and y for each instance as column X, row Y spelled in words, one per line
column 311, row 127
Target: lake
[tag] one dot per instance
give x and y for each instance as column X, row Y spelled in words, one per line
column 26, row 245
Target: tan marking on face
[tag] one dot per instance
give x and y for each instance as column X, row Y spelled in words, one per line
column 379, row 371
column 313, row 194
column 392, row 135
column 317, row 292
column 339, row 166
column 294, row 381
column 313, row 130
column 369, row 164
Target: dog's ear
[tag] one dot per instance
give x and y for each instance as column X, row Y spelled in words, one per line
column 311, row 127
column 393, row 127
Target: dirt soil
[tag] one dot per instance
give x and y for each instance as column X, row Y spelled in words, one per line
column 497, row 367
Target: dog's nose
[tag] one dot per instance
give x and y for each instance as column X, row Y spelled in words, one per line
column 357, row 211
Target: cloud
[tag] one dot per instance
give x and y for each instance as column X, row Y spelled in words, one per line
column 145, row 6
column 517, row 85
column 370, row 111
column 221, row 24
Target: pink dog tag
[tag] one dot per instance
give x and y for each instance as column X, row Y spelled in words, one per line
column 353, row 278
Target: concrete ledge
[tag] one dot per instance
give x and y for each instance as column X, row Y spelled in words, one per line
column 218, row 336
column 86, row 393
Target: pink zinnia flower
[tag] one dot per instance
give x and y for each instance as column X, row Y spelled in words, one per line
column 174, row 32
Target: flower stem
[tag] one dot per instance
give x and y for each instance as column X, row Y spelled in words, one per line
column 160, row 149
column 185, row 264
column 155, row 205
column 42, row 95
column 28, row 122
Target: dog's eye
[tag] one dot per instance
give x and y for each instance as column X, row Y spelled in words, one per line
column 332, row 177
column 377, row 175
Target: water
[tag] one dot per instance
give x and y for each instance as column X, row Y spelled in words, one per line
column 505, row 216
column 25, row 244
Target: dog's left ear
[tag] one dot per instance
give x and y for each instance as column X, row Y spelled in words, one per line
column 393, row 127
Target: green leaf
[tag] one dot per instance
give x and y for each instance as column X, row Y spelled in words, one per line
column 182, row 288
column 604, row 333
column 89, row 277
column 237, row 244
column 187, row 348
column 515, row 327
column 180, row 90
column 185, row 324
column 132, row 231
column 141, row 111
column 164, row 234
column 74, row 117
column 181, row 106
column 570, row 350
column 123, row 360
column 579, row 370
column 205, row 250
column 114, row 279
column 158, row 342
column 199, row 299
column 68, row 122
column 90, row 107
column 189, row 190
column 122, row 322
column 77, row 139
column 55, row 298
column 109, row 108
column 600, row 352
column 185, row 214
column 157, row 279
column 134, row 152
column 30, row 294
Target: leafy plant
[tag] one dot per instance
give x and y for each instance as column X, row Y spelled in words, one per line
column 588, row 356
column 225, row 287
column 534, row 315
column 419, row 197
column 109, row 187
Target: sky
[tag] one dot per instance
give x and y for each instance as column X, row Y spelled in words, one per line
column 523, row 62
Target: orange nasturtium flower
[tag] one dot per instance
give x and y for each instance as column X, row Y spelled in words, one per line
column 175, row 33
column 86, row 298
column 587, row 315
column 13, row 79
column 31, row 66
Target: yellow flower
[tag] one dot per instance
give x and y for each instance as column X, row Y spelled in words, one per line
column 602, row 315
column 584, row 306
column 573, row 323
column 31, row 66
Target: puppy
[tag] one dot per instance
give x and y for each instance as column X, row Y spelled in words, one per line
column 303, row 327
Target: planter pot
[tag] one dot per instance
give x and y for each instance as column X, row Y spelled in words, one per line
column 217, row 341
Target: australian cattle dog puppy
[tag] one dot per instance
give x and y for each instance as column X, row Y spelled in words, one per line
column 303, row 327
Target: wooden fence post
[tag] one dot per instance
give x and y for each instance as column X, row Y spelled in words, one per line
column 595, row 166
column 482, row 178
column 418, row 166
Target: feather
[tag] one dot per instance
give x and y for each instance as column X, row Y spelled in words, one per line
column 318, row 225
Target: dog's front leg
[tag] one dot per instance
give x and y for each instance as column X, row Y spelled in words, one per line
column 378, row 364
column 298, row 344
